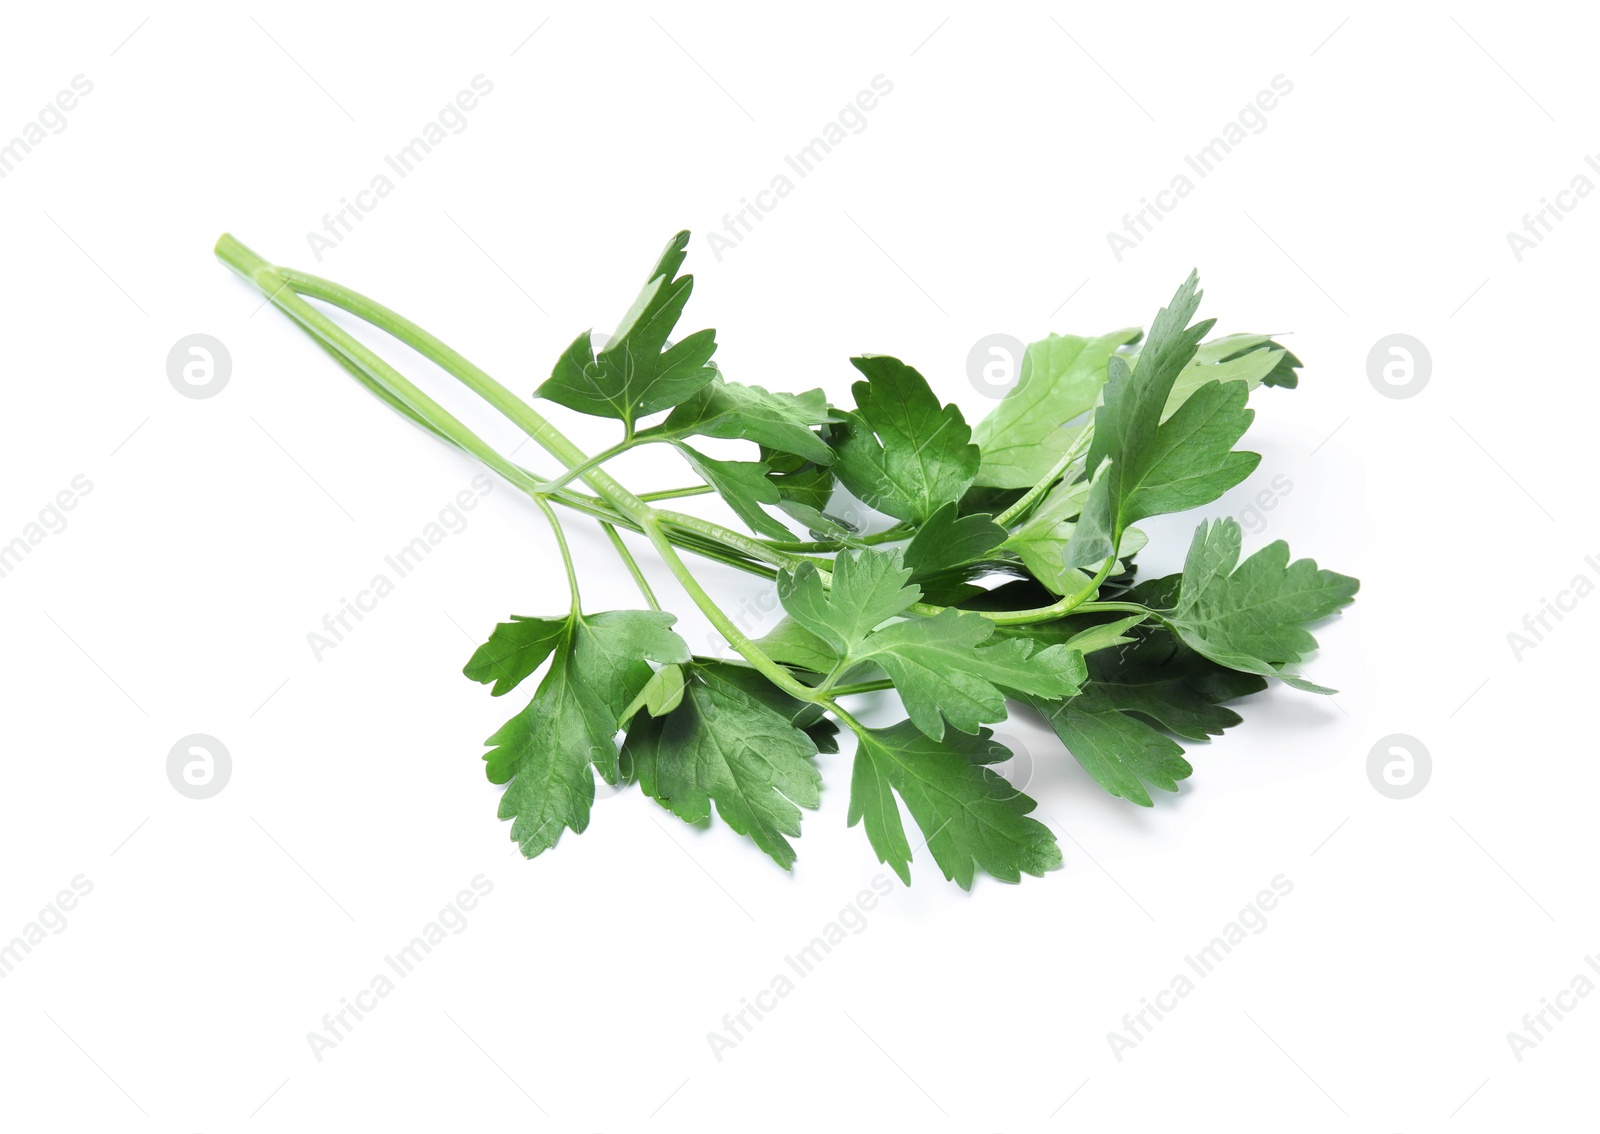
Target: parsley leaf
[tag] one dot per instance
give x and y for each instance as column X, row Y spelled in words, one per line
column 1252, row 616
column 868, row 588
column 1254, row 360
column 944, row 670
column 1144, row 466
column 515, row 649
column 792, row 644
column 636, row 373
column 744, row 487
column 725, row 745
column 544, row 753
column 1060, row 379
column 900, row 451
column 969, row 815
column 785, row 422
column 949, row 550
column 1111, row 728
column 1121, row 753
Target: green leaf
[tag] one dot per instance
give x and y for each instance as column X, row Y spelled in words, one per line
column 1111, row 727
column 1249, row 359
column 1121, row 753
column 514, row 650
column 807, row 484
column 1062, row 502
column 869, row 588
column 1060, row 379
column 948, row 551
column 943, row 669
column 637, row 373
column 660, row 695
column 727, row 746
column 1041, row 541
column 744, row 485
column 545, row 752
column 969, row 815
column 1087, row 634
column 785, row 422
column 1143, row 466
column 792, row 644
column 900, row 451
column 1172, row 686
column 807, row 716
column 1253, row 616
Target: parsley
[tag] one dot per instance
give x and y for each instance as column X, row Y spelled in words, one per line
column 999, row 568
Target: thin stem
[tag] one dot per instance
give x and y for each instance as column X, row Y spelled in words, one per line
column 1122, row 607
column 847, row 720
column 593, row 462
column 435, row 350
column 719, row 619
column 1093, row 587
column 1026, row 500
column 889, row 535
column 1126, row 608
column 755, row 548
column 566, row 555
column 1058, row 609
column 632, row 564
column 861, row 687
column 833, row 675
column 675, row 493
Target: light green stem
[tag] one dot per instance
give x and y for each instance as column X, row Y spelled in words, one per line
column 519, row 412
column 1047, row 482
column 632, row 564
column 675, row 493
column 566, row 554
column 1126, row 608
column 281, row 287
column 862, row 687
column 888, row 535
column 593, row 462
column 1058, row 609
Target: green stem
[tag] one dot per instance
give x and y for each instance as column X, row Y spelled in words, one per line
column 755, row 548
column 272, row 280
column 521, row 414
column 889, row 535
column 846, row 719
column 833, row 675
column 675, row 493
column 1058, row 609
column 861, row 687
column 377, row 375
column 632, row 564
column 719, row 619
column 566, row 555
column 593, row 462
column 1126, row 608
column 1044, row 485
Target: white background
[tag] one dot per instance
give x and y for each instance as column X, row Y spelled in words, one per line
column 219, row 532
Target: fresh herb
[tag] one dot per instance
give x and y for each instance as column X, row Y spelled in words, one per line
column 997, row 569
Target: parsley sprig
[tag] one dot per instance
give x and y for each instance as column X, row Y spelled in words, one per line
column 999, row 570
